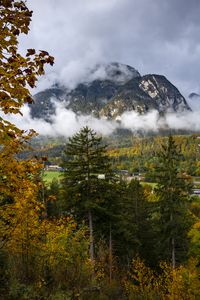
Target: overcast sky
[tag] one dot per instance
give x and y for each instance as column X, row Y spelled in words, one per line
column 153, row 36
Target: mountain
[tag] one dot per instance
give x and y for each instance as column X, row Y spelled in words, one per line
column 110, row 91
column 194, row 101
column 194, row 95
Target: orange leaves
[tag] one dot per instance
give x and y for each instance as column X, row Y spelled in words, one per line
column 50, row 60
column 30, row 52
column 43, row 53
column 4, row 96
column 6, row 3
column 31, row 80
column 28, row 100
column 47, row 58
column 16, row 31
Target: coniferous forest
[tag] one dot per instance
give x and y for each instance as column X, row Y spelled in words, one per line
column 93, row 234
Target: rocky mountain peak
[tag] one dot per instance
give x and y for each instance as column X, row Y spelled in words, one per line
column 111, row 90
column 166, row 96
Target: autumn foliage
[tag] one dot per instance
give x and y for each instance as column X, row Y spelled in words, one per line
column 35, row 253
column 44, row 252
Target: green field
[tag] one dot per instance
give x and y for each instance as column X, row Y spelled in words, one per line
column 50, row 175
column 152, row 184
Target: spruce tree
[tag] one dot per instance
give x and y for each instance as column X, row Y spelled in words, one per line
column 87, row 177
column 133, row 232
column 173, row 199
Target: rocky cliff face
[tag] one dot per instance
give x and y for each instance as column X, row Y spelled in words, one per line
column 113, row 90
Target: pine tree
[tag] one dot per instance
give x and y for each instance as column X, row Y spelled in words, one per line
column 173, row 199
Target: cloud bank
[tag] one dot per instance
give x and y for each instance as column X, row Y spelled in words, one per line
column 153, row 36
column 66, row 123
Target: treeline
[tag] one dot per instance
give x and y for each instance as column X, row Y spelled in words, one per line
column 141, row 243
column 94, row 236
column 139, row 156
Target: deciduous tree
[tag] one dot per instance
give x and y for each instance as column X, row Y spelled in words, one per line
column 18, row 73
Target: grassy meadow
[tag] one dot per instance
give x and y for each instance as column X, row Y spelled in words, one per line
column 50, row 175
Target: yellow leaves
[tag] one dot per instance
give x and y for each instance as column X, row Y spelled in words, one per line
column 21, row 215
column 197, row 226
column 52, row 198
column 64, row 243
column 143, row 276
column 168, row 283
column 29, row 239
column 16, row 184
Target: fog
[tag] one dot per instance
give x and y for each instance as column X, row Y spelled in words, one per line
column 66, row 123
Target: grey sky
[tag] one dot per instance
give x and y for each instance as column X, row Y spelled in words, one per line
column 154, row 36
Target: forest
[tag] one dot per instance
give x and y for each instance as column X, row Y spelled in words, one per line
column 138, row 155
column 91, row 235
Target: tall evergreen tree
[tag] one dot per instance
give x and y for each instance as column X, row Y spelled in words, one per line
column 87, row 176
column 173, row 199
column 133, row 232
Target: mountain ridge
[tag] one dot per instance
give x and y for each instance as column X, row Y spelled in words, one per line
column 112, row 90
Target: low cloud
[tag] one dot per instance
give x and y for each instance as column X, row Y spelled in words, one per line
column 135, row 122
column 66, row 123
column 76, row 72
column 188, row 121
column 63, row 123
